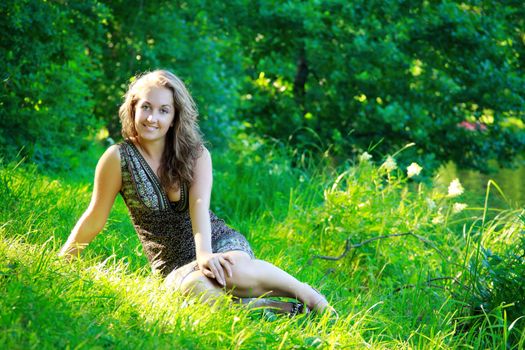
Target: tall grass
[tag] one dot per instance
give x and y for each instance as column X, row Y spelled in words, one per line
column 417, row 287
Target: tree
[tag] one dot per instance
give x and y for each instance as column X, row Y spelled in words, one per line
column 50, row 55
column 447, row 75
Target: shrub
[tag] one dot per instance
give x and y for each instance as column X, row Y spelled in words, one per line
column 497, row 280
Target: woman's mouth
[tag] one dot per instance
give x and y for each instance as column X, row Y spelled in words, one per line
column 150, row 127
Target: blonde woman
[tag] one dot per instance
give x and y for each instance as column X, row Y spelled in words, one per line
column 164, row 174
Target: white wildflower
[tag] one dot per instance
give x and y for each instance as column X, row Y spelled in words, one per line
column 458, row 207
column 439, row 218
column 365, row 156
column 455, row 189
column 431, row 204
column 363, row 204
column 389, row 164
column 413, row 169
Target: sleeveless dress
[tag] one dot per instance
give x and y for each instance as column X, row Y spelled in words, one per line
column 164, row 227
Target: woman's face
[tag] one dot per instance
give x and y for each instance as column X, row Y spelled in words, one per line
column 154, row 113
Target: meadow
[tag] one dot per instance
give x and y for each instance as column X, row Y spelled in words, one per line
column 406, row 264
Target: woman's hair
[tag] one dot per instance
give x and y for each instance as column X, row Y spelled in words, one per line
column 183, row 140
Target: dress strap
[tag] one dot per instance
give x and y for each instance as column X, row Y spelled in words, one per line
column 145, row 181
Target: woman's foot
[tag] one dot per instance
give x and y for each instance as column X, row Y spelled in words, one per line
column 279, row 307
column 317, row 302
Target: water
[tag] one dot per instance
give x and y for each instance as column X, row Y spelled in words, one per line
column 511, row 182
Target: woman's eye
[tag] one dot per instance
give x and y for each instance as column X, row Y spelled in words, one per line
column 145, row 107
column 165, row 111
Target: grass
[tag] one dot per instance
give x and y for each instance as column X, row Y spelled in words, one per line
column 407, row 292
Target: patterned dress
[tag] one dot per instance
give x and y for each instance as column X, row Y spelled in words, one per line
column 164, row 227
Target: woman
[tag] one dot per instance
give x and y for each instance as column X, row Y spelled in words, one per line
column 164, row 173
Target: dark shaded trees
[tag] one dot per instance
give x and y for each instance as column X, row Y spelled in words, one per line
column 447, row 75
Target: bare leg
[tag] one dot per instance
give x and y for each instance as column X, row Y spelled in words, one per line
column 255, row 278
column 199, row 285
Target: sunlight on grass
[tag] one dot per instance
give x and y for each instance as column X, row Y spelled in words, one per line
column 404, row 280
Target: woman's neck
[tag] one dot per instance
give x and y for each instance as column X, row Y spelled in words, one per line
column 153, row 150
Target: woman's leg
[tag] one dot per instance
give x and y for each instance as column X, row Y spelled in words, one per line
column 255, row 278
column 197, row 284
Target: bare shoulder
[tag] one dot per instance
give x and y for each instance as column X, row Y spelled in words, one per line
column 108, row 167
column 203, row 160
column 111, row 156
column 205, row 154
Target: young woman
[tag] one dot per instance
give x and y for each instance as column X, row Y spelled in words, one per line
column 164, row 173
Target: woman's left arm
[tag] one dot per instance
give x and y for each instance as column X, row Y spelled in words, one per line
column 212, row 265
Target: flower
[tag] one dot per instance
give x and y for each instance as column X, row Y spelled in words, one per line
column 458, row 207
column 467, row 125
column 431, row 204
column 472, row 126
column 363, row 204
column 365, row 156
column 455, row 189
column 439, row 218
column 389, row 164
column 413, row 169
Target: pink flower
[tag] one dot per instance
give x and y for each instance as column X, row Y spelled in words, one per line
column 470, row 126
column 467, row 125
column 481, row 126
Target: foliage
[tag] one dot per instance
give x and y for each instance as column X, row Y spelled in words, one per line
column 181, row 37
column 317, row 74
column 67, row 64
column 50, row 63
column 437, row 73
column 497, row 277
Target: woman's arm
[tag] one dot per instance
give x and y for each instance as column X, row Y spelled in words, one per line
column 211, row 265
column 106, row 186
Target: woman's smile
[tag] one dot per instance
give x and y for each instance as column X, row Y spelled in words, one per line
column 150, row 127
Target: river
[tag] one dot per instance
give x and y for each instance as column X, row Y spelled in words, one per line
column 511, row 182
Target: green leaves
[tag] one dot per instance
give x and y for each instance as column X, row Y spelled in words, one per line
column 46, row 98
column 419, row 65
column 355, row 72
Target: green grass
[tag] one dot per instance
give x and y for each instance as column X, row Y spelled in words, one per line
column 409, row 291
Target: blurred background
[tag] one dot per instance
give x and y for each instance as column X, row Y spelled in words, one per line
column 330, row 78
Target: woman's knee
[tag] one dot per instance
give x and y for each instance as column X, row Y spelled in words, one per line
column 239, row 257
column 195, row 284
column 243, row 273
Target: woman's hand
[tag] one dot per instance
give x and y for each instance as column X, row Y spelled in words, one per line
column 216, row 265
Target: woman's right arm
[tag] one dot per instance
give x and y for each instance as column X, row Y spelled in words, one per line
column 107, row 184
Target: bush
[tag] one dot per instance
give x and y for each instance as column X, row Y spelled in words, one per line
column 50, row 59
column 497, row 279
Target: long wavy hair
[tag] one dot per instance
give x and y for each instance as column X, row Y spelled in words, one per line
column 183, row 140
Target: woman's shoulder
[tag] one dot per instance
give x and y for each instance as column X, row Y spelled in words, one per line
column 116, row 150
column 204, row 151
column 111, row 157
column 203, row 155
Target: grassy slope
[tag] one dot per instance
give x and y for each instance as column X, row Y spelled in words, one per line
column 109, row 300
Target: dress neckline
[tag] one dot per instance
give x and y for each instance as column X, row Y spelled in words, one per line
column 156, row 179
